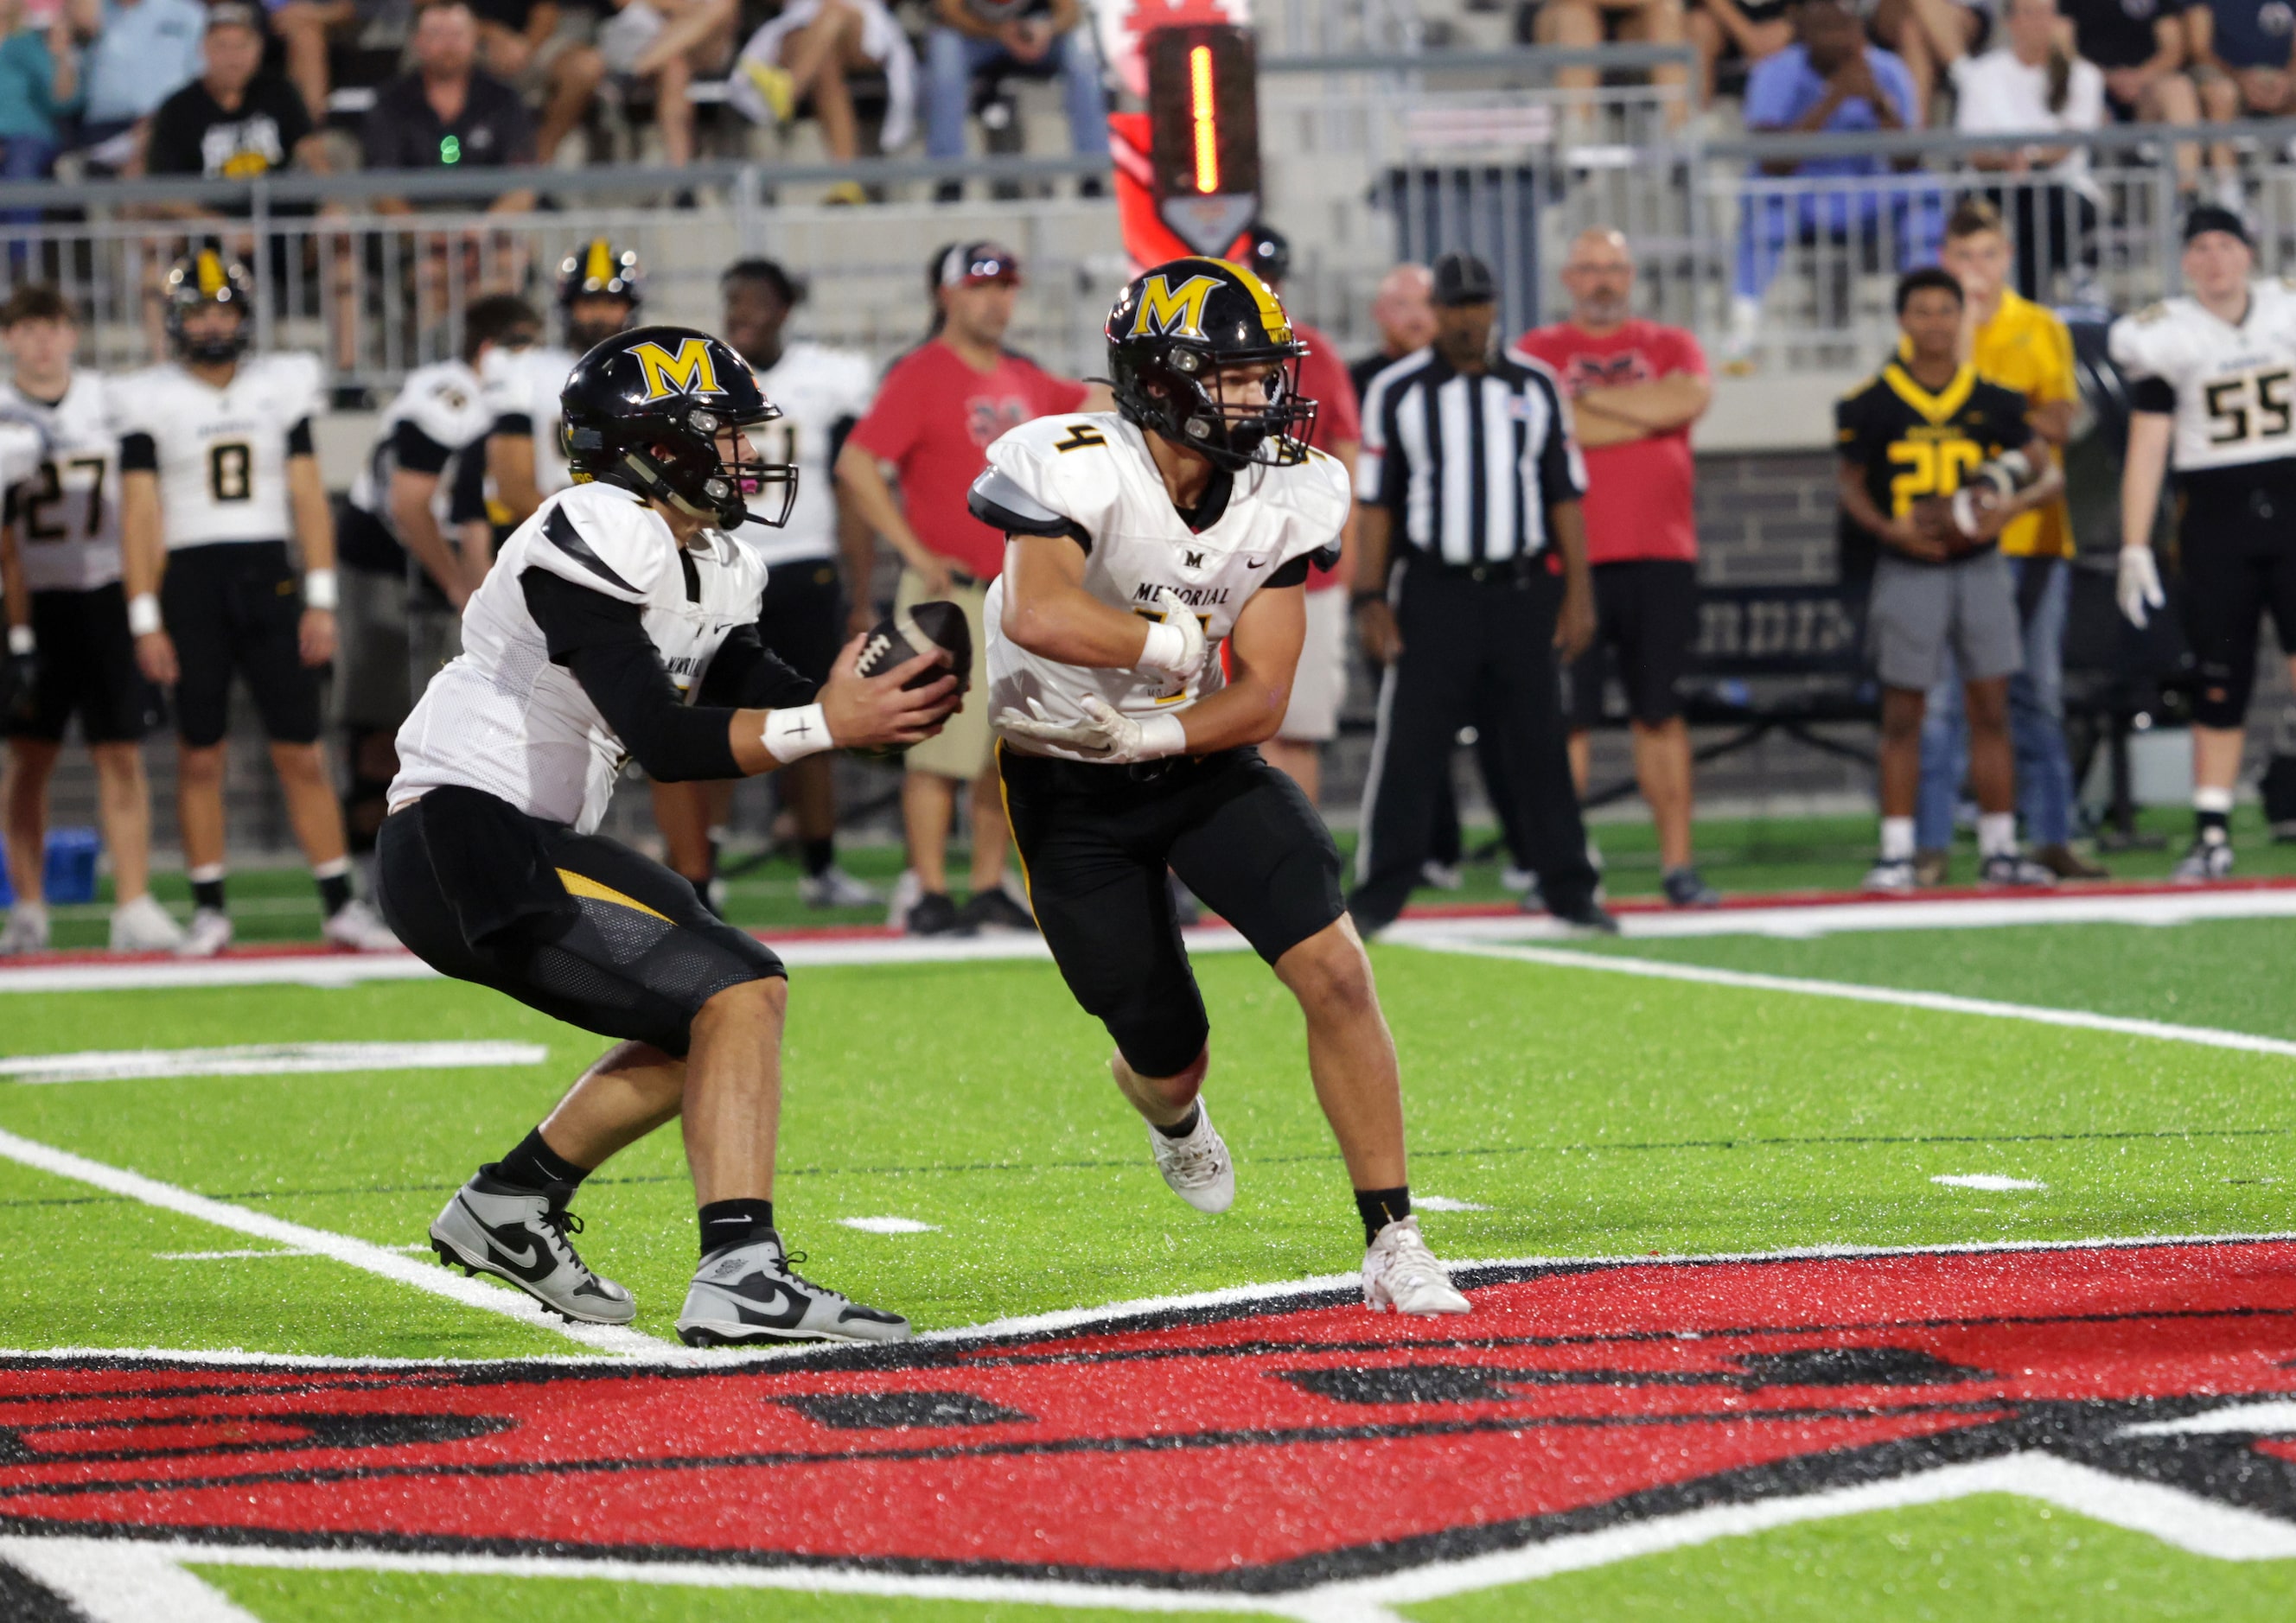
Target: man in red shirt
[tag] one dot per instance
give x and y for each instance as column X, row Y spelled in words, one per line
column 1636, row 388
column 1312, row 718
column 936, row 412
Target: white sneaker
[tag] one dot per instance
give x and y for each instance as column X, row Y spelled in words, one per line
column 2207, row 859
column 1442, row 875
column 1401, row 1275
column 26, row 930
column 209, row 934
column 908, row 890
column 1198, row 1167
column 1891, row 876
column 358, row 927
column 143, row 926
column 747, row 1295
column 834, row 887
column 520, row 1236
column 1517, row 880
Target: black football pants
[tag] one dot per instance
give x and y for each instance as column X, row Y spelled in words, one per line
column 1480, row 651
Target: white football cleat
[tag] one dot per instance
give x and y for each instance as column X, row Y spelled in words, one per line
column 746, row 1294
column 209, row 934
column 2206, row 860
column 1198, row 1167
column 143, row 926
column 519, row 1235
column 26, row 930
column 358, row 927
column 908, row 891
column 1401, row 1275
column 834, row 887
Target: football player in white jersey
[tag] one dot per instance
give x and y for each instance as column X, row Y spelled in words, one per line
column 620, row 623
column 2213, row 390
column 1141, row 641
column 216, row 471
column 599, row 292
column 68, row 623
column 821, row 392
column 406, row 568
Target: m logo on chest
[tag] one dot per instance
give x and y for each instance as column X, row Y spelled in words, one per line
column 1196, row 560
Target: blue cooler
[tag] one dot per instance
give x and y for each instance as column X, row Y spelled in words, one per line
column 69, row 875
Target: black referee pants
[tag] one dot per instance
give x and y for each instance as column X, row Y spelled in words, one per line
column 1480, row 651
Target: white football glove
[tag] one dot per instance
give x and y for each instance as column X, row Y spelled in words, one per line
column 2138, row 585
column 1174, row 650
column 1104, row 734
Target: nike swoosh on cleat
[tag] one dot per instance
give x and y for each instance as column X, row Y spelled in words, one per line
column 775, row 1304
column 530, row 1260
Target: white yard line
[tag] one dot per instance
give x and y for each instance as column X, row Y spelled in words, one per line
column 1941, row 1002
column 116, row 1580
column 264, row 1060
column 394, row 1266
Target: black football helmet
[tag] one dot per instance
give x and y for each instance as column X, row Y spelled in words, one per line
column 208, row 278
column 599, row 270
column 1175, row 329
column 644, row 411
column 1268, row 251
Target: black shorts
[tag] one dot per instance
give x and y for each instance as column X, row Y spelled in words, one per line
column 87, row 669
column 1646, row 628
column 238, row 606
column 1095, row 843
column 802, row 618
column 575, row 925
column 2237, row 542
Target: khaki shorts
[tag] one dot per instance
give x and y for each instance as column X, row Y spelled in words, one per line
column 1321, row 680
column 964, row 748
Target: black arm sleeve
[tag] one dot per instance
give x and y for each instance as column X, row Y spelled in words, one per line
column 2153, row 395
column 603, row 641
column 298, row 439
column 468, row 502
column 417, row 451
column 513, row 425
column 748, row 675
column 138, row 453
column 1294, row 573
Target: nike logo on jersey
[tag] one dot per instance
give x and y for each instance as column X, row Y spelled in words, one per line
column 1251, row 564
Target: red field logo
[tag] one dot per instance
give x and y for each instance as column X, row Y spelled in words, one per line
column 1290, row 1442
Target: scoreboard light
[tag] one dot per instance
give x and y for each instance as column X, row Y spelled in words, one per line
column 1203, row 117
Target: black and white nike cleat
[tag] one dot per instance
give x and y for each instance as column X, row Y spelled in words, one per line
column 746, row 1294
column 520, row 1236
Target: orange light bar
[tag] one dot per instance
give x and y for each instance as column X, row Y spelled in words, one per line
column 1200, row 107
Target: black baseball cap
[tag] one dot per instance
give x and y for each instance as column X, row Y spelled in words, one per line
column 1461, row 278
column 1268, row 251
column 2213, row 217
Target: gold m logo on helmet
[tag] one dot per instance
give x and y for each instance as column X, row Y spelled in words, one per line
column 1173, row 312
column 689, row 371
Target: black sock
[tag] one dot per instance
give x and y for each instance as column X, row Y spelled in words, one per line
column 1184, row 1127
column 1381, row 1206
column 2212, row 827
column 817, row 855
column 208, row 893
column 726, row 1222
column 535, row 1164
column 334, row 893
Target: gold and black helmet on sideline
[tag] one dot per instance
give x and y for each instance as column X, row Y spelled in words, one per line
column 644, row 411
column 597, row 269
column 200, row 280
column 1175, row 328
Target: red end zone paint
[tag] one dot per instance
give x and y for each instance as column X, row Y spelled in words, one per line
column 1284, row 1443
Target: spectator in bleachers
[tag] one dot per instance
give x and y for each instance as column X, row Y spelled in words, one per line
column 543, row 50
column 807, row 53
column 2244, row 58
column 668, row 43
column 1405, row 319
column 447, row 113
column 1743, row 30
column 306, row 28
column 1027, row 36
column 1931, row 37
column 2030, row 84
column 1589, row 22
column 39, row 85
column 139, row 53
column 2142, row 48
column 233, row 122
column 1829, row 80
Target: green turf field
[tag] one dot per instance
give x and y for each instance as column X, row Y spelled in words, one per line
column 1593, row 1115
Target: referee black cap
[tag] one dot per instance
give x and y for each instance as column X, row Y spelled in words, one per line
column 2212, row 217
column 1461, row 278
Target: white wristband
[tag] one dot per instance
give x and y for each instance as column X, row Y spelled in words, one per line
column 142, row 614
column 21, row 640
column 1162, row 735
column 793, row 735
column 319, row 590
column 1165, row 647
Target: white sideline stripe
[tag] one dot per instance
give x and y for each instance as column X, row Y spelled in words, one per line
column 393, row 1265
column 111, row 1580
column 890, row 1226
column 2279, row 1415
column 1443, row 1202
column 1941, row 1003
column 265, row 1252
column 263, row 1060
column 1984, row 1180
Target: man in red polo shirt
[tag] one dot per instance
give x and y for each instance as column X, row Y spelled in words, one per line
column 1312, row 718
column 936, row 411
column 1636, row 388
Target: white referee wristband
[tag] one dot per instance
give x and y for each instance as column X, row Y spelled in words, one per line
column 793, row 735
column 1165, row 647
column 1162, row 735
column 319, row 590
column 21, row 640
column 142, row 614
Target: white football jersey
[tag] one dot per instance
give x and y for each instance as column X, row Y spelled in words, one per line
column 816, row 387
column 66, row 503
column 527, row 383
column 501, row 718
column 223, row 452
column 2235, row 386
column 448, row 404
column 1094, row 469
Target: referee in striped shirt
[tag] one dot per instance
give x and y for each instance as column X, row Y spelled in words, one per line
column 1470, row 486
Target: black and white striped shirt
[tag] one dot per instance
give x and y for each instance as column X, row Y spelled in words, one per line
column 1468, row 465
